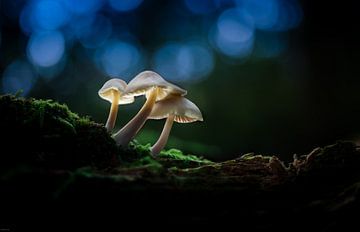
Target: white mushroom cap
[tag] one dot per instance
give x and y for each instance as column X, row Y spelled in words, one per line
column 118, row 85
column 183, row 109
column 147, row 80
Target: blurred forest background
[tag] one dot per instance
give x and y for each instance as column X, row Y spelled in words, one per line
column 270, row 76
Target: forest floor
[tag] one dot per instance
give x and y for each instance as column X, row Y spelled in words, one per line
column 55, row 166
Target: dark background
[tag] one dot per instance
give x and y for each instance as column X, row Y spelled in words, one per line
column 304, row 95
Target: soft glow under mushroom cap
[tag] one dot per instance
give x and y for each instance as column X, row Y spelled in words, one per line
column 183, row 109
column 118, row 85
column 145, row 81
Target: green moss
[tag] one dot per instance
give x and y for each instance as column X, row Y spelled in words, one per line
column 176, row 158
column 184, row 144
column 55, row 137
column 138, row 155
column 251, row 156
column 141, row 150
column 43, row 132
column 176, row 154
column 133, row 152
column 148, row 163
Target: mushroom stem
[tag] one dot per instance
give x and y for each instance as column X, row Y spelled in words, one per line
column 161, row 142
column 128, row 132
column 110, row 123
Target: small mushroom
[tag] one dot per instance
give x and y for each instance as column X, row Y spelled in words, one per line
column 155, row 88
column 174, row 108
column 112, row 91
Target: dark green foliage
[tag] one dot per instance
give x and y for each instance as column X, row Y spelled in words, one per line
column 46, row 133
column 175, row 157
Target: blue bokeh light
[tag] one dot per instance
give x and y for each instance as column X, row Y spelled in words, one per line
column 184, row 62
column 263, row 12
column 119, row 58
column 272, row 15
column 51, row 72
column 164, row 61
column 49, row 14
column 233, row 34
column 19, row 75
column 80, row 7
column 235, row 28
column 46, row 49
column 40, row 15
column 201, row 7
column 80, row 25
column 125, row 5
column 26, row 20
column 94, row 32
column 197, row 60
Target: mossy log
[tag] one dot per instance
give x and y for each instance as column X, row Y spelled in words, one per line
column 54, row 160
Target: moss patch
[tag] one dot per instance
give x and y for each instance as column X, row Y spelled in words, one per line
column 251, row 156
column 47, row 133
column 176, row 158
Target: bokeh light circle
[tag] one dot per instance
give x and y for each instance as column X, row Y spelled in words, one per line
column 45, row 49
column 81, row 7
column 234, row 33
column 49, row 15
column 18, row 76
column 95, row 31
column 264, row 13
column 119, row 58
column 188, row 62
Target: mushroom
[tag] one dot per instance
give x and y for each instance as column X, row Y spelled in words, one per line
column 155, row 88
column 112, row 91
column 174, row 108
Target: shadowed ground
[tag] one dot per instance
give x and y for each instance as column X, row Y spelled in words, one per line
column 58, row 168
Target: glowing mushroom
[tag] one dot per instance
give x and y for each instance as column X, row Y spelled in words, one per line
column 174, row 108
column 155, row 88
column 112, row 91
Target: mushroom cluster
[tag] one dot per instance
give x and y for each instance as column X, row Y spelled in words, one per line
column 163, row 100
